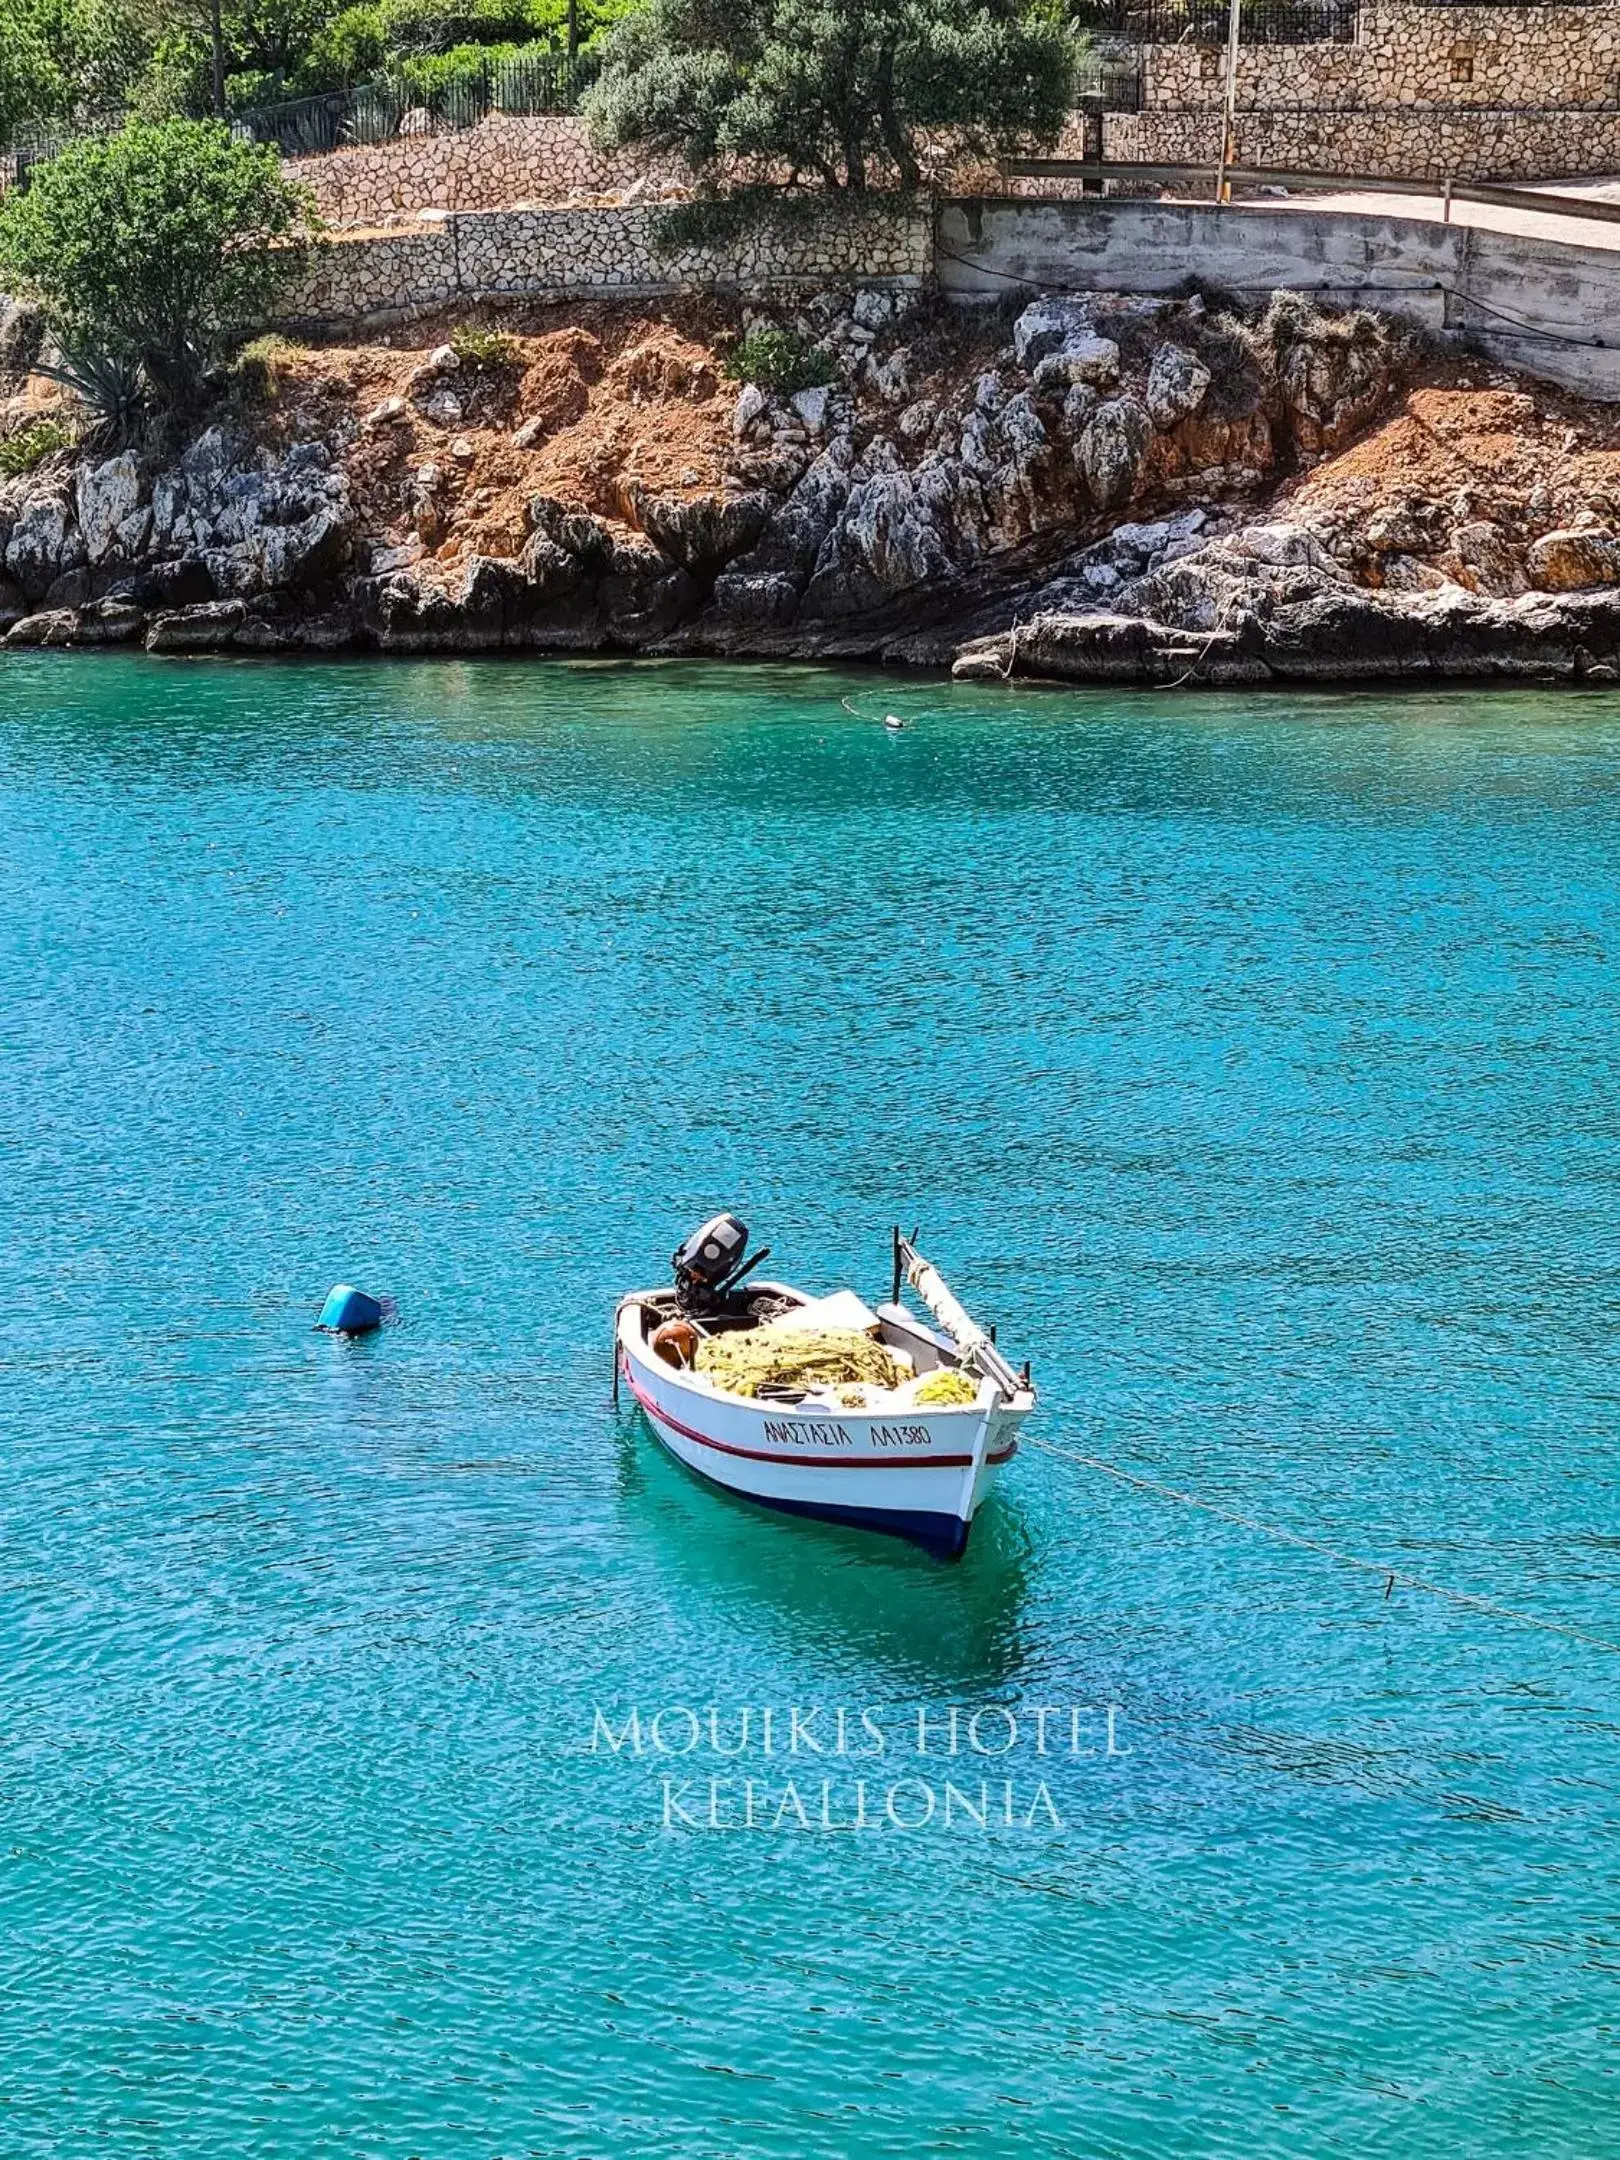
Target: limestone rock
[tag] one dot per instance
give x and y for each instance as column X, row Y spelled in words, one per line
column 1487, row 560
column 1080, row 359
column 703, row 533
column 891, row 378
column 791, row 542
column 44, row 543
column 752, row 403
column 1176, row 385
column 1408, row 573
column 388, row 413
column 1400, row 529
column 1112, row 451
column 874, row 309
column 1271, row 610
column 641, row 596
column 304, row 553
column 1332, row 385
column 1079, row 403
column 443, row 408
column 1046, row 324
column 758, row 597
column 110, row 622
column 50, row 626
column 497, row 601
column 107, row 497
column 889, row 539
column 811, row 407
column 209, row 628
column 1573, row 560
column 918, row 420
column 1283, row 545
column 71, row 590
column 552, row 570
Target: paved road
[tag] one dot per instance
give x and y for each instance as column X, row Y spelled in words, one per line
column 1537, row 224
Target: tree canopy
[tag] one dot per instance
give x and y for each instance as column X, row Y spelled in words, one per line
column 63, row 62
column 60, row 57
column 837, row 89
column 150, row 244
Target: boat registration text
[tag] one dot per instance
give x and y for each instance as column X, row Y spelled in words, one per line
column 801, row 1433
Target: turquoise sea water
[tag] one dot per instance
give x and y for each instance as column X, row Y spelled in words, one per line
column 1252, row 1062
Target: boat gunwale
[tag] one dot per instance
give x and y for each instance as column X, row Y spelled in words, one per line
column 1020, row 1404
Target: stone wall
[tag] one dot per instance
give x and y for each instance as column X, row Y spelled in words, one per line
column 1509, row 93
column 1389, row 142
column 544, row 157
column 366, row 279
column 1412, row 55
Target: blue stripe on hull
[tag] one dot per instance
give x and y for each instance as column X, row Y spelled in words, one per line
column 945, row 1536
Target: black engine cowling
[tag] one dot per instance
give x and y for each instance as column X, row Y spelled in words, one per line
column 710, row 1258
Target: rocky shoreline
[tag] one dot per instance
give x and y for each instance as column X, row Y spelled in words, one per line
column 1073, row 491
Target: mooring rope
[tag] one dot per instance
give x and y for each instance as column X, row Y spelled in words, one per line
column 1330, row 1552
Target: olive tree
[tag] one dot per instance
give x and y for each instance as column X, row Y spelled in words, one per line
column 153, row 244
column 832, row 89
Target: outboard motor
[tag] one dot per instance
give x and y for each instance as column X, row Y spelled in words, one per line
column 711, row 1263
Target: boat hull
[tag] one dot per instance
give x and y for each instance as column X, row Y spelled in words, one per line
column 917, row 1474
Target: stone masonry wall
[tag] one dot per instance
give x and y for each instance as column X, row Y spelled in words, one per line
column 1394, row 143
column 504, row 160
column 1424, row 91
column 358, row 279
column 1412, row 55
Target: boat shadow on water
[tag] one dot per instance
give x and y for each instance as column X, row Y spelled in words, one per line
column 876, row 1604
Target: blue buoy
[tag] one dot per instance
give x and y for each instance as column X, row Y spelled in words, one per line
column 348, row 1311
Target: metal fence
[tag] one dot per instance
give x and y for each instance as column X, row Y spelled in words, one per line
column 1204, row 22
column 1108, row 85
column 378, row 112
column 31, row 146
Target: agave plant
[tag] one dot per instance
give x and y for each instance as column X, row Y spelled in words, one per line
column 112, row 385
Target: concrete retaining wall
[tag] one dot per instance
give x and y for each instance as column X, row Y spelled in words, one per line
column 1540, row 305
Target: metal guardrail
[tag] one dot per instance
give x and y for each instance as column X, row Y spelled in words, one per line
column 1264, row 176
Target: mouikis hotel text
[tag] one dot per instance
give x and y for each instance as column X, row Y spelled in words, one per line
column 788, row 1767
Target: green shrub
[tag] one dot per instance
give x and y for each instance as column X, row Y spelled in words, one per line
column 779, row 360
column 428, row 75
column 263, row 365
column 154, row 243
column 487, row 349
column 20, row 453
column 350, row 47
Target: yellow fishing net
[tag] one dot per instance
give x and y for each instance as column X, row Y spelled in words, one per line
column 945, row 1389
column 750, row 1358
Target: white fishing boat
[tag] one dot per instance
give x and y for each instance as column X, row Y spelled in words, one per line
column 749, row 1383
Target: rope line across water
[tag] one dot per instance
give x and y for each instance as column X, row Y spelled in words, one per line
column 1331, row 1552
